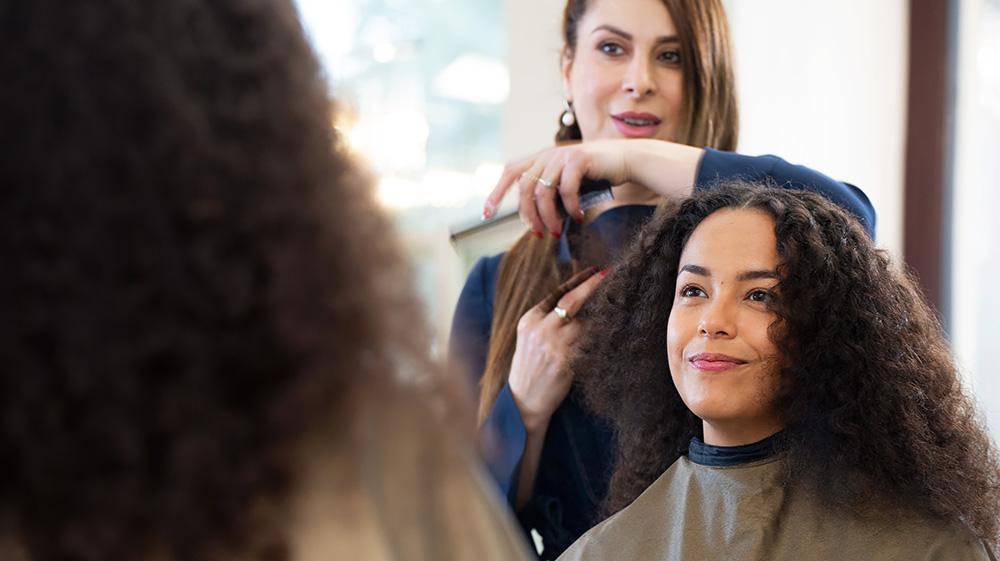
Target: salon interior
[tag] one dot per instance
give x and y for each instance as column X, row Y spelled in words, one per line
column 904, row 101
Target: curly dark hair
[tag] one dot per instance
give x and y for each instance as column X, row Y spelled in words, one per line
column 196, row 277
column 872, row 401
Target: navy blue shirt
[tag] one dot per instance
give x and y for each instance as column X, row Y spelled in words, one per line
column 726, row 456
column 577, row 455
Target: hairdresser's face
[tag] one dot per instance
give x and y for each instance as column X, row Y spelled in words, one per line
column 624, row 76
column 722, row 361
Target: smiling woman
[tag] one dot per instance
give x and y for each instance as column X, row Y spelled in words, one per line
column 760, row 360
column 722, row 359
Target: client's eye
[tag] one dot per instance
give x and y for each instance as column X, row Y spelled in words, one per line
column 691, row 291
column 760, row 295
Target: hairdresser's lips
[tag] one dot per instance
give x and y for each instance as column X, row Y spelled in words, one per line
column 636, row 125
column 715, row 362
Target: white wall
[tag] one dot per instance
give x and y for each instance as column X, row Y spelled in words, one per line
column 535, row 103
column 820, row 83
column 824, row 84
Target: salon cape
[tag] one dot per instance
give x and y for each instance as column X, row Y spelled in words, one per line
column 741, row 511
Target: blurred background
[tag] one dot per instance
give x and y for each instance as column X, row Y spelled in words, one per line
column 899, row 97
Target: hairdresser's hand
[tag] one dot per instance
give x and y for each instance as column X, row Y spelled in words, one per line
column 558, row 171
column 538, row 377
column 666, row 168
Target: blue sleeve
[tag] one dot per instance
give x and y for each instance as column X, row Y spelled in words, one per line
column 505, row 437
column 470, row 327
column 504, row 434
column 717, row 165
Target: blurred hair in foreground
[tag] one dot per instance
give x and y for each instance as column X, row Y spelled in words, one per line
column 211, row 349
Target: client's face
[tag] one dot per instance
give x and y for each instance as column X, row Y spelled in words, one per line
column 722, row 361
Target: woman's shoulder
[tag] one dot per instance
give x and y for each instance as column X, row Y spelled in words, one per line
column 486, row 267
column 937, row 539
column 619, row 535
column 482, row 277
column 480, row 287
column 879, row 532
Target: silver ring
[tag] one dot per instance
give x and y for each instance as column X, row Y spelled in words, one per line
column 545, row 182
column 563, row 314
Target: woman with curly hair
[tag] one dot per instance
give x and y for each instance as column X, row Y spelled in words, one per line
column 779, row 391
column 651, row 108
column 210, row 346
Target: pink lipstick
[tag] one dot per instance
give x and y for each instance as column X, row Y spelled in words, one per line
column 715, row 362
column 633, row 124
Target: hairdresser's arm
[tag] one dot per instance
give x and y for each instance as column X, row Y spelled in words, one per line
column 503, row 429
column 669, row 169
column 674, row 170
column 469, row 341
column 717, row 165
column 530, row 460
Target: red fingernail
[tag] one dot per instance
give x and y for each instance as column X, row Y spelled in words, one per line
column 578, row 220
column 605, row 272
column 557, row 235
column 536, row 233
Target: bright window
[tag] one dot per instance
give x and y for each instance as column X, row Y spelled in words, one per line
column 421, row 86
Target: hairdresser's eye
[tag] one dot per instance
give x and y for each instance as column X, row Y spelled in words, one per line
column 691, row 291
column 612, row 49
column 760, row 295
column 669, row 57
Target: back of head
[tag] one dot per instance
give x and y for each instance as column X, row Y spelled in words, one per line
column 873, row 408
column 195, row 277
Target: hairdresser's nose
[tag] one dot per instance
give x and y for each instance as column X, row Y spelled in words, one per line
column 718, row 320
column 638, row 80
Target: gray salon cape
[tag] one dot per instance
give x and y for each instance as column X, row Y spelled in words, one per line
column 697, row 512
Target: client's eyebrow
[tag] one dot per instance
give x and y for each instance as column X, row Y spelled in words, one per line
column 628, row 36
column 695, row 269
column 754, row 275
column 744, row 276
